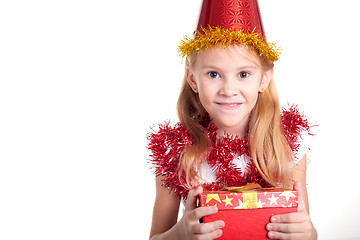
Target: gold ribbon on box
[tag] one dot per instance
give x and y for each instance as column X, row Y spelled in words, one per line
column 247, row 187
column 249, row 198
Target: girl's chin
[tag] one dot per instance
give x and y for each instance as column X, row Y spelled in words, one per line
column 230, row 127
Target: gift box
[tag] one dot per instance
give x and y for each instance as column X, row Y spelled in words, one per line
column 246, row 213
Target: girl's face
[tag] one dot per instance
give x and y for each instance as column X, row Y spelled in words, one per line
column 228, row 81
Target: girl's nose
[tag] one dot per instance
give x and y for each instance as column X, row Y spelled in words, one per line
column 229, row 88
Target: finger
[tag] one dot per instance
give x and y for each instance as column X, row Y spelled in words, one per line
column 200, row 212
column 301, row 201
column 294, row 217
column 285, row 227
column 191, row 199
column 279, row 235
column 209, row 227
column 209, row 236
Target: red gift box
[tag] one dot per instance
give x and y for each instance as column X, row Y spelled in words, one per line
column 246, row 213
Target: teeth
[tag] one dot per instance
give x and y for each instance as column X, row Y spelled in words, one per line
column 229, row 104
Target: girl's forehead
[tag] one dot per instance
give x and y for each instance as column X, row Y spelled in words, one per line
column 231, row 54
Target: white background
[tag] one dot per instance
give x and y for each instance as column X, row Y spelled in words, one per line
column 83, row 81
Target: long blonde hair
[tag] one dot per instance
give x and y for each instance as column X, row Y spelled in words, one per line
column 269, row 148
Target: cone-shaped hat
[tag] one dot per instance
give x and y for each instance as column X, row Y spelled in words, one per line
column 229, row 21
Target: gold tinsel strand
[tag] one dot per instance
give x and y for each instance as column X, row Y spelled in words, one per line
column 218, row 36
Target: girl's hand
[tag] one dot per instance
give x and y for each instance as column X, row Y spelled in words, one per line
column 190, row 222
column 296, row 225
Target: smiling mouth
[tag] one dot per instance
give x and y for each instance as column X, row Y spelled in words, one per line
column 229, row 105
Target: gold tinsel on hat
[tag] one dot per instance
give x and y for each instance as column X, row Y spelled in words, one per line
column 212, row 36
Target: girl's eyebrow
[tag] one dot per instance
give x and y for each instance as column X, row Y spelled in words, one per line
column 218, row 67
column 210, row 66
column 248, row 66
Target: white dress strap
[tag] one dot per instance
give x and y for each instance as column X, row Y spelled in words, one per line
column 304, row 147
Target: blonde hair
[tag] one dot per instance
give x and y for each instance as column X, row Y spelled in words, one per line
column 269, row 148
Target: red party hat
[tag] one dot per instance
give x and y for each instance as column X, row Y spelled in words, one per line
column 229, row 21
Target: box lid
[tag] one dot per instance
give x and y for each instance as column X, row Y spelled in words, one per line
column 253, row 199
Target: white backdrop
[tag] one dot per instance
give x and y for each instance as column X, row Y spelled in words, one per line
column 83, row 81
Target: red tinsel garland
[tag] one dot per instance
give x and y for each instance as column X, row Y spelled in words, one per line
column 294, row 123
column 167, row 143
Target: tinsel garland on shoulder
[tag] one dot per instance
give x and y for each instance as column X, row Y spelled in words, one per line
column 167, row 143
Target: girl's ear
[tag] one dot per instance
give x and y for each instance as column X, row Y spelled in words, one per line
column 266, row 79
column 191, row 80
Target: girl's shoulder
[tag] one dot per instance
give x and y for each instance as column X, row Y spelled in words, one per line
column 174, row 138
column 166, row 138
column 166, row 143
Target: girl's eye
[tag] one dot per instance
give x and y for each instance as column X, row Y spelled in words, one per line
column 243, row 74
column 213, row 74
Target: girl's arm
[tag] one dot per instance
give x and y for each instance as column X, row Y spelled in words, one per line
column 164, row 223
column 166, row 208
column 300, row 176
column 295, row 225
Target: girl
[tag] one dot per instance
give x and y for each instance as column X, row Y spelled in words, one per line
column 231, row 130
